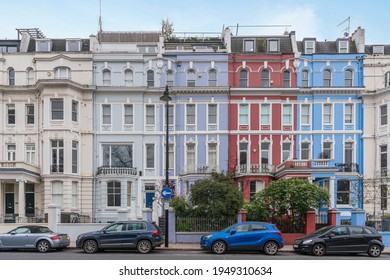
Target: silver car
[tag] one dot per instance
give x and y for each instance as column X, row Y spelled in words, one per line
column 40, row 238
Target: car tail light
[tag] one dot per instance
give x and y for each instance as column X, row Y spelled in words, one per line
column 156, row 232
column 55, row 237
column 380, row 238
column 279, row 233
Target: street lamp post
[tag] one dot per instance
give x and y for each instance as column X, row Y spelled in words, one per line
column 166, row 98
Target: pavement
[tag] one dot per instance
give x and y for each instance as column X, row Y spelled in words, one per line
column 196, row 247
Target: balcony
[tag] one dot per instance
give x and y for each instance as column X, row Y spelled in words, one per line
column 254, row 169
column 198, row 169
column 299, row 164
column 116, row 170
column 18, row 167
column 347, row 167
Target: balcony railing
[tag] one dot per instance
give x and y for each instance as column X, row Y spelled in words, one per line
column 198, row 169
column 116, row 170
column 347, row 167
column 254, row 169
column 17, row 165
column 294, row 164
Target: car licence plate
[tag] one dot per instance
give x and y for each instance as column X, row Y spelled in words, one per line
column 295, row 246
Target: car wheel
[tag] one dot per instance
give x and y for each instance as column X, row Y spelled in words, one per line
column 319, row 250
column 374, row 250
column 90, row 246
column 219, row 247
column 144, row 246
column 43, row 246
column 271, row 248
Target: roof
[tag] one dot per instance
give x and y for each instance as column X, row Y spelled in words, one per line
column 326, row 47
column 261, row 44
column 128, row 37
column 369, row 49
column 59, row 45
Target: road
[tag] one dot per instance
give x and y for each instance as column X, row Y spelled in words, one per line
column 161, row 254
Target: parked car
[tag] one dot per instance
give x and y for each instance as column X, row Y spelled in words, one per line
column 40, row 238
column 256, row 236
column 341, row 239
column 141, row 235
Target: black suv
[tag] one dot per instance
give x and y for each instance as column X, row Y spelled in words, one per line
column 141, row 235
column 341, row 239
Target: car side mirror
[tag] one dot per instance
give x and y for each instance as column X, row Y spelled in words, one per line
column 233, row 231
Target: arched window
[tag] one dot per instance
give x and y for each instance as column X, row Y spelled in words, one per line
column 387, row 79
column 190, row 78
column 128, row 77
column 348, row 78
column 286, row 78
column 170, row 78
column 264, row 78
column 106, row 77
column 305, row 78
column 243, row 78
column 30, row 76
column 212, row 78
column 150, row 78
column 11, row 76
column 327, row 78
column 62, row 73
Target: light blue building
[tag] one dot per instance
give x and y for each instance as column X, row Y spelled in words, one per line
column 330, row 118
column 127, row 124
column 196, row 72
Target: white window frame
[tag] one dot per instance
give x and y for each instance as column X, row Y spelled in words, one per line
column 330, row 149
column 106, row 77
column 73, row 45
column 30, row 116
column 62, row 73
column 150, row 80
column 305, row 116
column 305, row 80
column 150, row 156
column 249, row 45
column 171, row 155
column 191, row 156
column 273, row 45
column 106, row 115
column 75, row 157
column 285, row 152
column 349, row 146
column 11, row 114
column 150, row 119
column 54, row 111
column 29, row 76
column 116, row 194
column 211, row 115
column 343, row 46
column 348, row 80
column 75, row 111
column 265, row 115
column 266, row 152
column 170, row 78
column 327, row 81
column 243, row 80
column 212, row 154
column 10, row 152
column 57, row 193
column 212, row 81
column 191, row 77
column 75, row 195
column 188, row 116
column 287, row 116
column 30, row 153
column 310, row 47
column 383, row 115
column 306, row 150
column 348, row 113
column 243, row 117
column 128, row 114
column 327, row 117
column 128, row 77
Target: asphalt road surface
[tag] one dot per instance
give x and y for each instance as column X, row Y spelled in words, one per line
column 160, row 254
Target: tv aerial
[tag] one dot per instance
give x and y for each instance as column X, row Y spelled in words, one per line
column 347, row 28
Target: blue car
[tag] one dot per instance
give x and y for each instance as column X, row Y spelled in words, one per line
column 257, row 236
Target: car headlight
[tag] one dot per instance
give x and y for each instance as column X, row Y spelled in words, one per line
column 207, row 236
column 307, row 241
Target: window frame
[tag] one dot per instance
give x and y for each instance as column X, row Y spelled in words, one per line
column 265, row 78
column 286, row 153
column 305, row 151
column 249, row 48
column 57, row 155
column 128, row 77
column 287, row 115
column 150, row 157
column 106, row 115
column 310, row 49
column 128, row 117
column 211, row 114
column 106, row 77
column 75, row 111
column 170, row 78
column 243, row 79
column 305, row 116
column 11, row 114
column 75, row 155
column 265, row 115
column 212, row 77
column 55, row 111
column 327, row 78
column 30, row 153
column 305, row 79
column 30, row 117
column 11, row 76
column 383, row 115
column 348, row 79
column 150, row 80
column 286, row 78
column 348, row 115
column 150, row 119
column 327, row 115
column 114, row 194
column 190, row 115
column 191, row 77
column 243, row 117
column 62, row 73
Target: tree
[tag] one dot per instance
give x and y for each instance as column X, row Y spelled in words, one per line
column 167, row 29
column 289, row 197
column 217, row 197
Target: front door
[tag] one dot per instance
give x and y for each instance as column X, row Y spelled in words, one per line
column 9, row 203
column 30, row 200
column 149, row 199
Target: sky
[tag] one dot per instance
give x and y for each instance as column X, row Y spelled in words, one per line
column 324, row 20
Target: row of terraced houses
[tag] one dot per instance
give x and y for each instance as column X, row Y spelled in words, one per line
column 83, row 127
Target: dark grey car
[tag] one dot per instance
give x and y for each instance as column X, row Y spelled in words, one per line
column 141, row 235
column 40, row 238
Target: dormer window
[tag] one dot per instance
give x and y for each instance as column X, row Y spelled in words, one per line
column 310, row 47
column 378, row 50
column 343, row 47
column 62, row 73
column 249, row 46
column 273, row 45
column 43, row 45
column 73, row 45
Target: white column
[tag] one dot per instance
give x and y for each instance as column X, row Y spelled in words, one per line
column 331, row 192
column 22, row 199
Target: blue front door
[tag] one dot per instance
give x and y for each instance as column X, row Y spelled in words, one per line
column 149, row 199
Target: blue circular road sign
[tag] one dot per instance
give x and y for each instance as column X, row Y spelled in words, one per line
column 166, row 193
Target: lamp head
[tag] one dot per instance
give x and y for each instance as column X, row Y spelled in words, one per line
column 166, row 96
